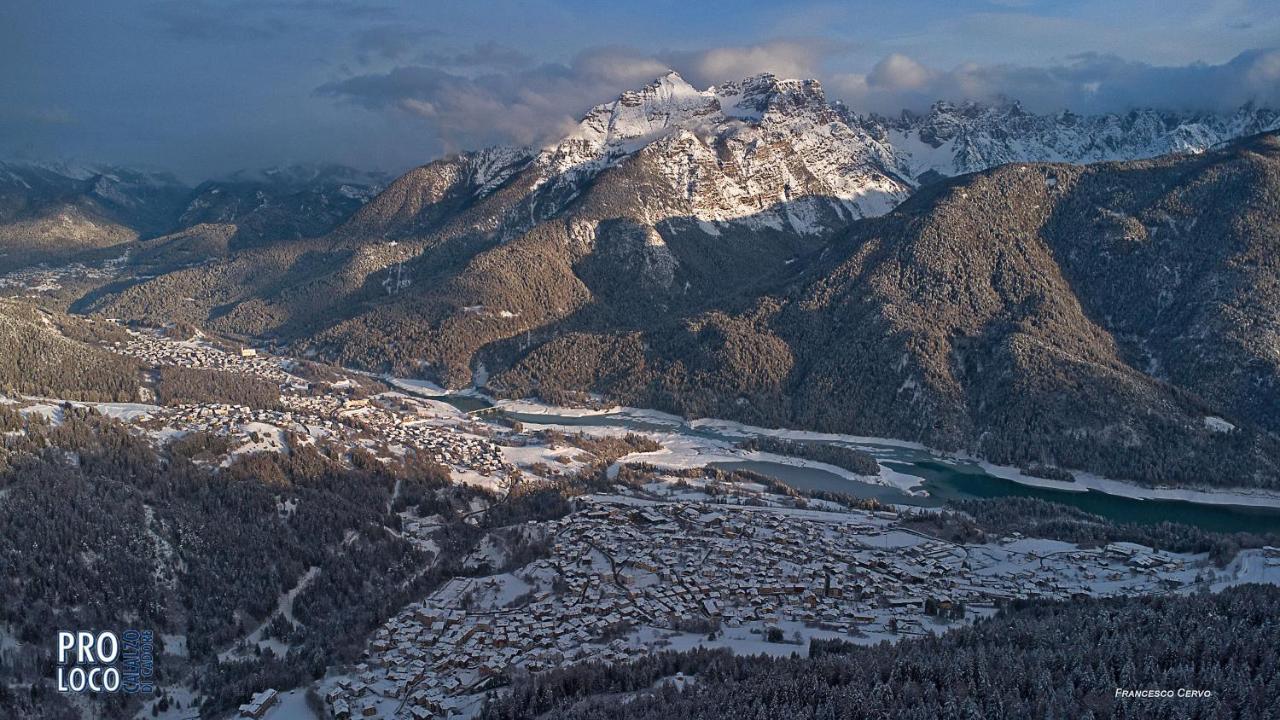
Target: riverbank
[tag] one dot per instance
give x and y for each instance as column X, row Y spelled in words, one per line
column 689, row 454
column 910, row 473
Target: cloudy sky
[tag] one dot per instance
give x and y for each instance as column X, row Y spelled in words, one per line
column 206, row 87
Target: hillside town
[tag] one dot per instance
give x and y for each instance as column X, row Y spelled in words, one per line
column 327, row 410
column 628, row 576
column 155, row 349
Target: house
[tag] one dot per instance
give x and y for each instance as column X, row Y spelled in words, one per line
column 258, row 706
column 248, row 352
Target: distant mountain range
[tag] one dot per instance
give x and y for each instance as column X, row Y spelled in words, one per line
column 733, row 150
column 954, row 140
column 752, row 251
column 50, row 210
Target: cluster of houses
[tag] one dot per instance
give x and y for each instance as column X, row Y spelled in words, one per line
column 332, row 413
column 623, row 573
column 738, row 566
column 156, row 350
column 349, row 421
column 43, row 278
column 451, row 444
column 240, row 423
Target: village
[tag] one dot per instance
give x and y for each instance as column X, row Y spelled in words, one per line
column 46, row 279
column 628, row 576
column 157, row 350
column 672, row 563
column 329, row 410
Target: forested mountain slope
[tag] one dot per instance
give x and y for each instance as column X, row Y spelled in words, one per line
column 1043, row 660
column 55, row 355
column 740, row 252
column 1102, row 317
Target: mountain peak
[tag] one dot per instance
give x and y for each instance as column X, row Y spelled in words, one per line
column 672, row 79
column 665, row 88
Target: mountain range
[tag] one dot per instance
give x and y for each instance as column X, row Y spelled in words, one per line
column 1029, row 288
column 51, row 210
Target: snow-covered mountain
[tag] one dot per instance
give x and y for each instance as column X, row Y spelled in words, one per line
column 739, row 149
column 666, row 196
column 956, row 139
column 760, row 154
column 765, row 152
column 744, row 145
column 53, row 209
column 30, row 186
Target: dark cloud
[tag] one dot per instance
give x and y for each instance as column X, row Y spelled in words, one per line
column 533, row 105
column 255, row 20
column 391, row 42
column 198, row 20
column 480, row 55
column 492, row 94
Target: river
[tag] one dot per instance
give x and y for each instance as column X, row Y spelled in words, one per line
column 940, row 477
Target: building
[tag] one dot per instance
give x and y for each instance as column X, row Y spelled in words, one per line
column 260, row 704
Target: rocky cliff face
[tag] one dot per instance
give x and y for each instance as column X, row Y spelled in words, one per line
column 737, row 150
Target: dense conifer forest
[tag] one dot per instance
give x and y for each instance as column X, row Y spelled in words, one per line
column 1051, row 660
column 96, row 524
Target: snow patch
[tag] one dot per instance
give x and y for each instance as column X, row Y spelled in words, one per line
column 1217, row 424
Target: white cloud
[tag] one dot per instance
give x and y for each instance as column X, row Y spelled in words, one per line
column 900, row 72
column 468, row 107
column 793, row 58
column 526, row 106
column 1085, row 83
